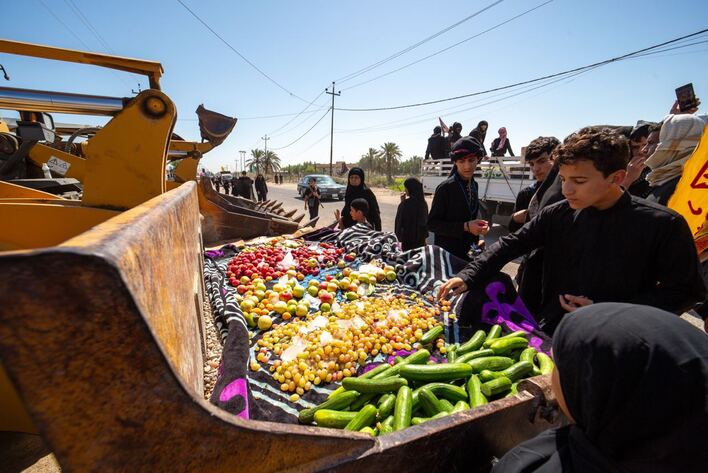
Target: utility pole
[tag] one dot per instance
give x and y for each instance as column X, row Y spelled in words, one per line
column 331, row 131
column 243, row 160
column 265, row 139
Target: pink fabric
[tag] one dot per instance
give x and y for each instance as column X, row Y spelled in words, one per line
column 502, row 138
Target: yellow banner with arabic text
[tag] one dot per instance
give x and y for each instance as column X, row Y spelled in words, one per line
column 690, row 198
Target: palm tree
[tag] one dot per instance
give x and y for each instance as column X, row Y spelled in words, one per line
column 256, row 159
column 390, row 153
column 270, row 162
column 368, row 160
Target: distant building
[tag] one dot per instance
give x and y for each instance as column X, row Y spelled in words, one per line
column 340, row 168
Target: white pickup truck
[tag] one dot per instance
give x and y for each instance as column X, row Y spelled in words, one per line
column 499, row 178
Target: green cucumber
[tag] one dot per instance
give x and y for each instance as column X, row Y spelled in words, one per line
column 402, row 410
column 474, row 391
column 429, row 403
column 446, row 391
column 431, row 335
column 475, row 354
column 362, row 400
column 386, row 405
column 342, row 401
column 487, row 375
column 518, row 333
column 451, row 356
column 419, row 420
column 494, row 332
column 473, row 344
column 507, row 345
column 364, row 418
column 518, row 370
column 492, row 363
column 530, row 355
column 374, row 371
column 460, row 406
column 439, row 372
column 399, row 359
column 385, row 430
column 514, row 390
column 387, row 422
column 545, row 363
column 377, row 386
column 336, row 392
column 446, row 405
column 421, row 356
column 369, row 430
column 333, row 419
column 496, row 386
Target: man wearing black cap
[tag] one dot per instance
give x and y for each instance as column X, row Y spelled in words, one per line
column 453, row 215
column 438, row 147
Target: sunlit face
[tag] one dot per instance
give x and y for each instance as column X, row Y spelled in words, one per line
column 354, row 180
column 356, row 215
column 541, row 166
column 312, row 182
column 637, row 147
column 483, row 127
column 584, row 186
column 651, row 144
column 466, row 167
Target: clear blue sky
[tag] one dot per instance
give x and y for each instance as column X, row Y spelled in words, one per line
column 305, row 45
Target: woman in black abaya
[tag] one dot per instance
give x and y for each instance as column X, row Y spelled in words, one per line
column 634, row 382
column 356, row 188
column 412, row 216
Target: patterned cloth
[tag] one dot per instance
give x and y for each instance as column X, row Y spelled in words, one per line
column 257, row 395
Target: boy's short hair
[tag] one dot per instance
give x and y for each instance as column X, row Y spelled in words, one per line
column 542, row 144
column 361, row 205
column 607, row 149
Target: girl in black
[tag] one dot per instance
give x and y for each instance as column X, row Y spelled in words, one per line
column 357, row 189
column 632, row 380
column 412, row 215
column 261, row 188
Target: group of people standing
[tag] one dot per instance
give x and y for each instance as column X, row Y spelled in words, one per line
column 243, row 186
column 439, row 145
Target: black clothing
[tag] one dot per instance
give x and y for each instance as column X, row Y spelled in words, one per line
column 452, row 139
column 496, row 151
column 663, row 192
column 227, row 186
column 244, row 187
column 635, row 380
column 480, row 135
column 261, row 188
column 312, row 198
column 438, row 147
column 635, row 251
column 454, row 203
column 363, row 192
column 411, row 218
column 522, row 203
column 641, row 187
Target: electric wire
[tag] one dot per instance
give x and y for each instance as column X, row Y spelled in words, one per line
column 537, row 79
column 206, row 25
column 303, row 135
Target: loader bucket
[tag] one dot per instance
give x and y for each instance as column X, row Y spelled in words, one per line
column 214, row 127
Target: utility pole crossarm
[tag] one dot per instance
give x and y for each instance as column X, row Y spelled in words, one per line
column 331, row 132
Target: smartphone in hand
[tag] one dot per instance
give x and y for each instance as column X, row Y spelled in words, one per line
column 686, row 97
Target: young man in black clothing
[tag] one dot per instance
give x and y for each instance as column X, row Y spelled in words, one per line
column 453, row 214
column 538, row 157
column 438, row 147
column 601, row 244
column 358, row 211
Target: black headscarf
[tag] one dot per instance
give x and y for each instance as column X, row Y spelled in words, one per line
column 479, row 133
column 360, row 192
column 412, row 216
column 635, row 380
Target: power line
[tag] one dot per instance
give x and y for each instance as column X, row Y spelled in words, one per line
column 239, row 54
column 549, row 76
column 450, row 47
column 412, row 47
column 87, row 23
column 303, row 135
column 300, row 113
column 73, row 33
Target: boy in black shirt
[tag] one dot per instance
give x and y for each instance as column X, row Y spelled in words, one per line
column 312, row 198
column 601, row 244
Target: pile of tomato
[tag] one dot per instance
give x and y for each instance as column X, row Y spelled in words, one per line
column 257, row 262
column 311, row 261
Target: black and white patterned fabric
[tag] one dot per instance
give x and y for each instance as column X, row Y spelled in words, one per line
column 257, row 395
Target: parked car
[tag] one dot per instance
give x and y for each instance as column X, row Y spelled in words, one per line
column 329, row 188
